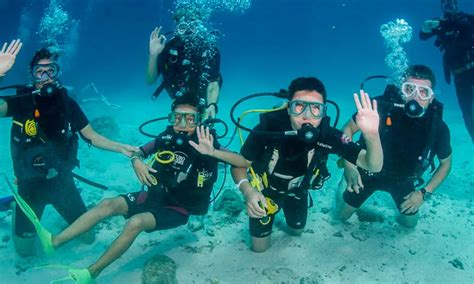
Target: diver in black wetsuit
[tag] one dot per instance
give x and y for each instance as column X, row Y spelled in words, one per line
column 46, row 124
column 455, row 37
column 413, row 134
column 189, row 62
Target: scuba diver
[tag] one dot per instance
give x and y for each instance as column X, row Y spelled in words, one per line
column 189, row 62
column 284, row 151
column 179, row 180
column 412, row 133
column 44, row 145
column 8, row 56
column 455, row 38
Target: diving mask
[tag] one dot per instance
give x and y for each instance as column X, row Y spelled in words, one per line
column 298, row 107
column 184, row 119
column 188, row 27
column 43, row 72
column 410, row 90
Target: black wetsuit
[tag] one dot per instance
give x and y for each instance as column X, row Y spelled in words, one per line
column 188, row 72
column 172, row 200
column 403, row 144
column 43, row 162
column 455, row 38
column 292, row 162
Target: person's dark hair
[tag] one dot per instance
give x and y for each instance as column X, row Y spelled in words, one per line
column 43, row 53
column 306, row 84
column 186, row 100
column 421, row 72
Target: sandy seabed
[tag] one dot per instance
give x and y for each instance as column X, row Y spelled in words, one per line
column 439, row 250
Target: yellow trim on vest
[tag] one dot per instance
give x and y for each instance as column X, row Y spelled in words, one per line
column 18, row 123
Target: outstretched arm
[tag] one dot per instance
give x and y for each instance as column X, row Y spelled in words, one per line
column 102, row 142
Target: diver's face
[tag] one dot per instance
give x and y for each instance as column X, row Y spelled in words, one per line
column 43, row 73
column 449, row 6
column 186, row 27
column 185, row 118
column 307, row 116
column 419, row 90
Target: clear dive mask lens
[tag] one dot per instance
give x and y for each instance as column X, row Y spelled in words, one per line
column 187, row 27
column 43, row 72
column 184, row 119
column 411, row 90
column 297, row 107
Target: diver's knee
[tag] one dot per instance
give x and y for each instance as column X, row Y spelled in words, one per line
column 408, row 221
column 344, row 211
column 112, row 206
column 260, row 245
column 295, row 232
column 24, row 246
column 139, row 223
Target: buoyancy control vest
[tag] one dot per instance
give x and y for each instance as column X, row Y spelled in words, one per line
column 284, row 159
column 39, row 152
column 186, row 175
column 185, row 72
column 392, row 121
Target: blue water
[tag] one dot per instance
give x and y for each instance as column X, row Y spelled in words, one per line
column 262, row 49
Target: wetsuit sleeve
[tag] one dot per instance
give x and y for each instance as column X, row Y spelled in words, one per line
column 15, row 105
column 443, row 144
column 254, row 145
column 342, row 145
column 149, row 148
column 78, row 118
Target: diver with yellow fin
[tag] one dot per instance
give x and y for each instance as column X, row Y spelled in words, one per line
column 44, row 145
column 285, row 150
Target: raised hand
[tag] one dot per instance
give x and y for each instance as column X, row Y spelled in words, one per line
column 157, row 42
column 367, row 118
column 429, row 25
column 8, row 55
column 206, row 141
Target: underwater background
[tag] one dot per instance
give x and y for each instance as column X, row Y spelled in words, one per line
column 263, row 47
